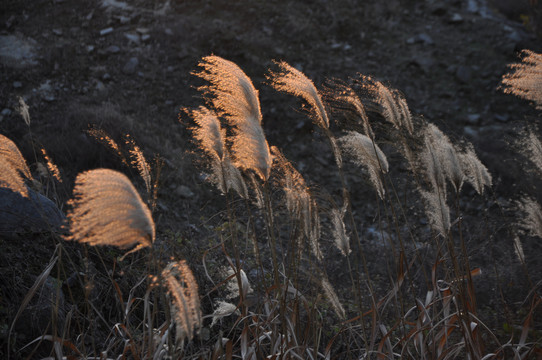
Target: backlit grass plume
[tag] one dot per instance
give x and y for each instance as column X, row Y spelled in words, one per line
column 392, row 105
column 293, row 81
column 211, row 139
column 140, row 163
column 475, row 172
column 366, row 153
column 183, row 292
column 532, row 216
column 234, row 97
column 107, row 210
column 525, row 79
column 13, row 167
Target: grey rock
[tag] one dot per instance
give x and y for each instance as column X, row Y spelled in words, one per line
column 421, row 38
column 113, row 49
column 106, row 31
column 502, row 117
column 17, row 52
column 456, row 19
column 17, row 84
column 464, row 74
column 470, row 132
column 424, row 62
column 131, row 66
column 184, row 191
column 132, row 37
column 57, row 32
column 6, row 112
column 34, row 213
column 473, row 119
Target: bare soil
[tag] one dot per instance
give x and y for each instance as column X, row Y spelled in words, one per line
column 126, row 67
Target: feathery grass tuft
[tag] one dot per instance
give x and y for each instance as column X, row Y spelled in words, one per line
column 475, row 172
column 339, row 231
column 533, row 149
column 51, row 166
column 367, row 153
column 140, row 163
column 183, row 290
column 107, row 210
column 11, row 179
column 23, row 111
column 392, row 105
column 525, row 79
column 212, row 140
column 232, row 94
column 10, row 152
column 13, row 167
column 532, row 220
column 446, row 155
column 293, row 81
column 437, row 211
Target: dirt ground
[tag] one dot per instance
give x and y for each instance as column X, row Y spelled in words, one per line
column 126, row 67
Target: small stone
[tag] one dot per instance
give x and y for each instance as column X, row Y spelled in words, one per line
column 473, row 119
column 502, row 117
column 130, row 67
column 6, row 112
column 132, row 37
column 184, row 191
column 106, row 77
column 145, row 37
column 472, row 6
column 90, row 48
column 168, row 102
column 57, row 32
column 420, row 38
column 17, row 84
column 470, row 132
column 106, row 31
column 168, row 31
column 424, row 63
column 456, row 19
column 142, row 30
column 113, row 49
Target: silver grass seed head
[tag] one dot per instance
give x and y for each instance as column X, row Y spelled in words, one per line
column 233, row 95
column 367, row 153
column 107, row 210
column 293, row 81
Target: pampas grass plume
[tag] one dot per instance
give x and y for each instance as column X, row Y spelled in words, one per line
column 234, row 97
column 183, row 291
column 13, row 167
column 107, row 210
column 365, row 152
column 525, row 79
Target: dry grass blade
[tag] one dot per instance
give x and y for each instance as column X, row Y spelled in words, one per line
column 293, row 81
column 366, row 153
column 183, row 290
column 107, row 210
column 525, row 79
column 231, row 92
